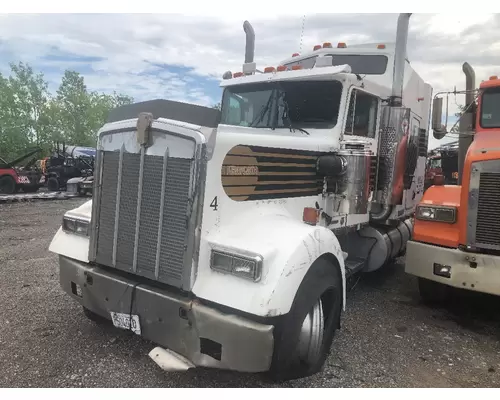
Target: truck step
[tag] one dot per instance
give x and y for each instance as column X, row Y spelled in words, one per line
column 353, row 266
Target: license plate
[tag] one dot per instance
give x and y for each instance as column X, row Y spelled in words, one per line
column 126, row 321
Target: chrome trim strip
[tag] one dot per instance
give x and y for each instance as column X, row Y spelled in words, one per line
column 117, row 206
column 162, row 207
column 96, row 196
column 138, row 212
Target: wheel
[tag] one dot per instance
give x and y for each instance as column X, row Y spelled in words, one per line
column 431, row 292
column 95, row 317
column 53, row 184
column 303, row 337
column 7, row 185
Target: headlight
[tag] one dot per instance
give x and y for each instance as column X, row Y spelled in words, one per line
column 437, row 213
column 76, row 226
column 248, row 267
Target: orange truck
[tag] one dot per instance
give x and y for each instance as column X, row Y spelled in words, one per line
column 456, row 234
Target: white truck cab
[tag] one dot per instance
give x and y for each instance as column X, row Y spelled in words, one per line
column 227, row 237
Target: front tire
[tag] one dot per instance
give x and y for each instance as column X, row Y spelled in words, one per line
column 304, row 336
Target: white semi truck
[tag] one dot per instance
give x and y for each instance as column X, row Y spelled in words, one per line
column 227, row 237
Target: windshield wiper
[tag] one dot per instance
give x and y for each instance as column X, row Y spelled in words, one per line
column 264, row 110
column 287, row 117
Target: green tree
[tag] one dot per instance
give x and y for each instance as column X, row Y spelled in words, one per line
column 23, row 98
column 30, row 116
column 80, row 113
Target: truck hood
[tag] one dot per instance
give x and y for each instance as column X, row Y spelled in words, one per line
column 84, row 211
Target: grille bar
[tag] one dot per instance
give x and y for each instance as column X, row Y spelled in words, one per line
column 138, row 212
column 117, row 208
column 162, row 208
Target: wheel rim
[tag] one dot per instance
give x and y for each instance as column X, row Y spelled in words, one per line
column 311, row 334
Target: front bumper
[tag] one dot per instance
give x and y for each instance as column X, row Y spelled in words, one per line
column 472, row 271
column 203, row 335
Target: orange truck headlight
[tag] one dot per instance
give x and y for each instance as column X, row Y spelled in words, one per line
column 436, row 213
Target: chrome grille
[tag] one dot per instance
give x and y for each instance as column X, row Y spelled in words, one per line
column 488, row 210
column 483, row 206
column 153, row 245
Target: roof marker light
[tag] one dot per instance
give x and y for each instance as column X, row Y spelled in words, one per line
column 269, row 69
column 317, row 47
column 295, row 54
column 341, row 45
column 281, row 68
column 381, row 46
column 327, row 45
column 237, row 74
column 296, row 67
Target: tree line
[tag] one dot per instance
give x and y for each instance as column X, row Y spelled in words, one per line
column 30, row 116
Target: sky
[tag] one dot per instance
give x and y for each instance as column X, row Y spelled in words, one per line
column 182, row 57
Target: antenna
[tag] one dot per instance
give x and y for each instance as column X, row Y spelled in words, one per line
column 302, row 32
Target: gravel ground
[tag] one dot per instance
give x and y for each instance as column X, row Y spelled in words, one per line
column 388, row 338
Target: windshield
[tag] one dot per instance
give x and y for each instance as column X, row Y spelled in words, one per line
column 490, row 108
column 435, row 163
column 306, row 104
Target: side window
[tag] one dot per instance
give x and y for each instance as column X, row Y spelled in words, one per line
column 362, row 114
column 234, row 111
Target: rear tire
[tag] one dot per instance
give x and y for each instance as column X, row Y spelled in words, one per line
column 99, row 320
column 431, row 292
column 303, row 338
column 7, row 185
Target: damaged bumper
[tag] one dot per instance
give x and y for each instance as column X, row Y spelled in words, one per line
column 202, row 335
column 453, row 267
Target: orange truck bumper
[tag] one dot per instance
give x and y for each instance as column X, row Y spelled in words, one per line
column 453, row 267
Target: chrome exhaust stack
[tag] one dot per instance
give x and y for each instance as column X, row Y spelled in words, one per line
column 249, row 67
column 400, row 60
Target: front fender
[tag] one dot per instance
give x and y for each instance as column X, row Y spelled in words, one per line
column 289, row 247
column 70, row 245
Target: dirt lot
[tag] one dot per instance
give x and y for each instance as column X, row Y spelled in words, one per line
column 388, row 338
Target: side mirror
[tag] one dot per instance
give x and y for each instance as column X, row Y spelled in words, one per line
column 439, row 131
